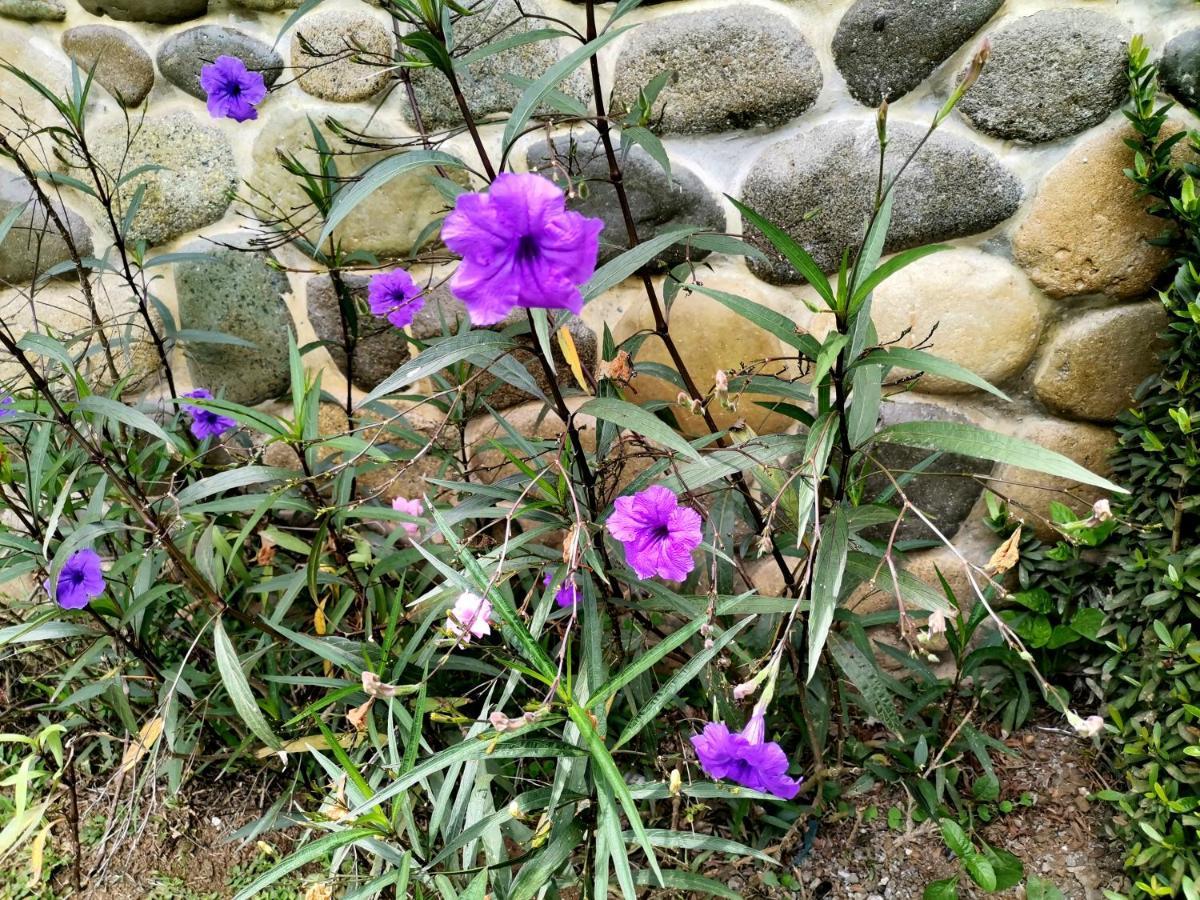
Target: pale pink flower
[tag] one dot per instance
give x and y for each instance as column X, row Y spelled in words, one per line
column 470, row 617
column 412, row 508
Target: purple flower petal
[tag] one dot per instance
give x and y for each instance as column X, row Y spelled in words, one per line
column 6, row 405
column 520, row 246
column 80, row 580
column 745, row 757
column 659, row 535
column 395, row 297
column 206, row 423
column 232, row 90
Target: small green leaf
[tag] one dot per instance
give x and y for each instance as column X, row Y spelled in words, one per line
column 238, row 687
column 627, row 415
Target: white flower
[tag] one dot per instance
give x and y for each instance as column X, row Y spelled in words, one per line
column 470, row 617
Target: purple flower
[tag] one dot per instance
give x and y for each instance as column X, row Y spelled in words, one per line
column 520, row 246
column 470, row 617
column 659, row 535
column 745, row 757
column 394, row 296
column 6, row 405
column 205, row 422
column 567, row 593
column 80, row 580
column 233, row 90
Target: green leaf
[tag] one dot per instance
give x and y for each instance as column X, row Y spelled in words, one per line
column 531, row 99
column 955, row 437
column 981, row 871
column 986, row 788
column 1038, row 889
column 919, row 360
column 956, row 839
column 671, row 690
column 438, row 356
column 692, row 884
column 690, row 840
column 645, row 661
column 862, row 673
column 888, row 269
column 238, row 687
column 946, row 889
column 765, row 318
column 538, row 871
column 627, row 415
column 796, row 255
column 318, row 849
column 827, row 583
column 127, row 415
column 1007, row 868
column 229, row 480
column 346, row 199
column 617, row 270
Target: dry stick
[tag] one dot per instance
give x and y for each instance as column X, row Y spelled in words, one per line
column 156, row 527
column 660, row 321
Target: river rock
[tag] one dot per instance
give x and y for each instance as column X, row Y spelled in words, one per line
column 194, row 185
column 33, row 10
column 660, row 203
column 336, row 36
column 1055, row 73
column 1094, row 363
column 122, row 67
column 885, row 48
column 235, row 291
column 964, row 306
column 157, row 11
column 738, row 67
column 486, row 83
column 1180, row 68
column 534, row 422
column 22, row 103
column 380, row 348
column 387, row 223
column 1087, row 231
column 183, row 55
column 953, row 188
column 34, row 244
column 266, row 5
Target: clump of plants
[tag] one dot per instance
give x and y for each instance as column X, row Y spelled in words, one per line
column 561, row 674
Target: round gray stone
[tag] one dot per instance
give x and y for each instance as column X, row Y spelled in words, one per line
column 1052, row 74
column 183, row 55
column 193, row 188
column 443, row 315
column 122, row 67
column 659, row 203
column 1180, row 68
column 33, row 10
column 235, row 291
column 952, row 188
column 739, row 67
column 380, row 348
column 266, row 5
column 157, row 11
column 338, row 38
column 945, row 491
column 885, row 48
column 485, row 83
column 34, row 244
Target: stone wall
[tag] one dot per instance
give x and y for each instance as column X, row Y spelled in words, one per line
column 1046, row 292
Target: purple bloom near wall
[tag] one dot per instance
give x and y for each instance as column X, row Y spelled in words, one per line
column 395, row 297
column 233, row 90
column 6, row 405
column 205, row 422
column 80, row 580
column 659, row 535
column 520, row 246
column 745, row 757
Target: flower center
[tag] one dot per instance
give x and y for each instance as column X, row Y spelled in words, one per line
column 235, row 90
column 527, row 248
column 661, row 532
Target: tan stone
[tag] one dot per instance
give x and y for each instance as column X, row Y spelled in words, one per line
column 981, row 311
column 24, row 109
column 387, row 223
column 534, row 422
column 710, row 336
column 1087, row 229
column 59, row 310
column 1094, row 363
column 1029, row 494
column 339, row 38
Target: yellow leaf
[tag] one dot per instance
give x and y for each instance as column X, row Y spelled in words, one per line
column 567, row 344
column 145, row 740
column 321, row 626
column 1007, row 554
column 37, row 854
column 303, row 744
